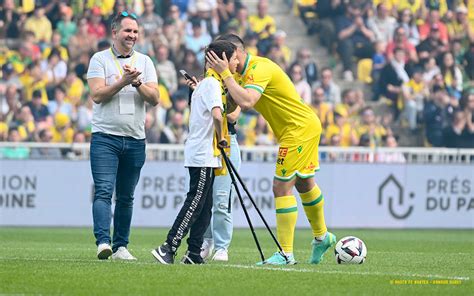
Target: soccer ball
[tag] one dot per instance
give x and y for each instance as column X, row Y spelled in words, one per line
column 350, row 250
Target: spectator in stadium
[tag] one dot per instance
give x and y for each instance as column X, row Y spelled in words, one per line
column 468, row 61
column 457, row 134
column 452, row 75
column 279, row 40
column 436, row 114
column 267, row 88
column 12, row 102
column 332, row 91
column 350, row 105
column 263, row 25
column 197, row 41
column 121, row 80
column 323, row 110
column 328, row 11
column 11, row 22
column 305, row 59
column 434, row 21
column 355, row 38
column 241, row 22
column 84, row 116
column 175, row 132
column 95, row 27
column 393, row 75
column 302, row 86
column 430, row 70
column 401, row 41
column 145, row 45
column 17, row 152
column 407, row 21
column 56, row 45
column 208, row 132
column 40, row 25
column 382, row 24
column 432, row 46
column 460, row 28
column 414, row 93
column 38, row 109
column 56, row 70
column 66, row 27
column 59, row 104
column 467, row 103
column 166, row 69
column 191, row 65
column 369, row 125
column 81, row 42
column 345, row 129
column 25, row 124
column 62, row 131
column 45, row 136
column 149, row 19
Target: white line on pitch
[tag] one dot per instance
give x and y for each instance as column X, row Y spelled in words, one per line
column 437, row 276
column 285, row 269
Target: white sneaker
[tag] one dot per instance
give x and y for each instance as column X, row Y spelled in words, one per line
column 104, row 251
column 123, row 254
column 221, row 255
column 207, row 248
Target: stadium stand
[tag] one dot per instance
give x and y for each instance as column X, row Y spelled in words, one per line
column 414, row 64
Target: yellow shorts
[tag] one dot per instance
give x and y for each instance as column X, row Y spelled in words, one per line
column 300, row 160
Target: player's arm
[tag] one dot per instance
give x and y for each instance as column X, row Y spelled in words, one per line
column 234, row 115
column 244, row 97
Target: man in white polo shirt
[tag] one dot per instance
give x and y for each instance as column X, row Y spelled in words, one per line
column 121, row 80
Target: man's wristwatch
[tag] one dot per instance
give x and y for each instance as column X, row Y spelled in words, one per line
column 136, row 85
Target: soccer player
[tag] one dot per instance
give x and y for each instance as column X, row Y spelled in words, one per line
column 267, row 89
column 207, row 133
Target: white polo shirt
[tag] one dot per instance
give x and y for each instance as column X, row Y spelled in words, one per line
column 124, row 114
column 198, row 149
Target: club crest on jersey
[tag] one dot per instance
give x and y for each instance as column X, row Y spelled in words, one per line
column 282, row 152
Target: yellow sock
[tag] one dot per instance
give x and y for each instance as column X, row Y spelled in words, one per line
column 286, row 215
column 313, row 204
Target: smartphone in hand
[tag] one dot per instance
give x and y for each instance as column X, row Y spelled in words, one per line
column 186, row 75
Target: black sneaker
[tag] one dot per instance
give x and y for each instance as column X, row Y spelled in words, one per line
column 192, row 258
column 163, row 254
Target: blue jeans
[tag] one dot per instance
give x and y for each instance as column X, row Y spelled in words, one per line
column 115, row 162
column 220, row 228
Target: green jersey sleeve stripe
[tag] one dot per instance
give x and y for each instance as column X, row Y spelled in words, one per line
column 256, row 87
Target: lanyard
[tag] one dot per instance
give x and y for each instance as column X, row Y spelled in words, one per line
column 117, row 64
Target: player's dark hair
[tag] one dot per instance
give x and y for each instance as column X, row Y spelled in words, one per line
column 236, row 40
column 219, row 47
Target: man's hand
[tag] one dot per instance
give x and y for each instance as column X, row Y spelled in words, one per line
column 216, row 63
column 130, row 75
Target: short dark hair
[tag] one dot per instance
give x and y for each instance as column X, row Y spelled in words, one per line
column 234, row 39
column 117, row 20
column 222, row 46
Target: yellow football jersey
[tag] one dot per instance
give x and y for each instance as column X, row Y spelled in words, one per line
column 291, row 120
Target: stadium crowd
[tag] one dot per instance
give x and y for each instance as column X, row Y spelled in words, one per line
column 415, row 57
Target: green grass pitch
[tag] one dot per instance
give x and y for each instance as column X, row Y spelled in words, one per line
column 61, row 261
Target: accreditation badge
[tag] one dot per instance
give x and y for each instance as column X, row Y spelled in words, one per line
column 127, row 101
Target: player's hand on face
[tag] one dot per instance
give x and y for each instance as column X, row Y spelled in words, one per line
column 218, row 64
